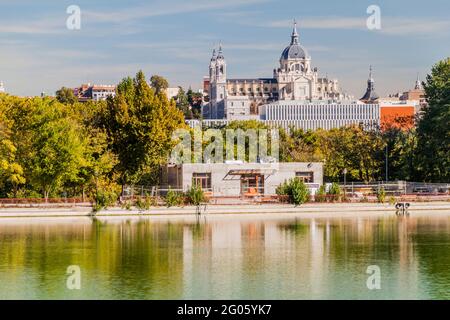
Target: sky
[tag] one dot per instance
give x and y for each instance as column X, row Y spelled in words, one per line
column 174, row 38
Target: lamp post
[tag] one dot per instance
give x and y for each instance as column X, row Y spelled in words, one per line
column 345, row 182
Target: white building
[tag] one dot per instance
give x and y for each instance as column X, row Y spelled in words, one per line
column 294, row 80
column 172, row 92
column 101, row 92
column 242, row 179
column 2, row 87
column 94, row 92
column 315, row 116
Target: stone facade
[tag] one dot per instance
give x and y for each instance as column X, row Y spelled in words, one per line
column 294, row 80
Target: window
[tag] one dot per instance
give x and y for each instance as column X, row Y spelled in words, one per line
column 202, row 180
column 306, row 177
column 252, row 184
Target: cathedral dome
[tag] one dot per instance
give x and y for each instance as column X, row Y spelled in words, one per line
column 294, row 50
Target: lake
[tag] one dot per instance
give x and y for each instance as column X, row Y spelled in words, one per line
column 226, row 257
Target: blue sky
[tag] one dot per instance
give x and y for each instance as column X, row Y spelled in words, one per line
column 175, row 38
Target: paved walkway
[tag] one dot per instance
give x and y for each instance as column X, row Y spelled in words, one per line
column 316, row 209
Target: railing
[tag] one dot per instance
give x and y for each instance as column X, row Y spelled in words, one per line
column 396, row 188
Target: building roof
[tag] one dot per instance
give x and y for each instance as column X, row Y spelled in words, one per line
column 370, row 95
column 294, row 50
column 264, row 80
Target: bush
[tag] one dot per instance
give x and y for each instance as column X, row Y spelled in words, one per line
column 299, row 191
column 296, row 190
column 321, row 194
column 173, row 198
column 282, row 189
column 103, row 199
column 144, row 203
column 381, row 195
column 335, row 192
column 127, row 205
column 195, row 196
column 392, row 200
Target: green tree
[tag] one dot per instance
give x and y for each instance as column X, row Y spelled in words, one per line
column 57, row 151
column 401, row 147
column 195, row 100
column 183, row 104
column 10, row 171
column 433, row 132
column 355, row 149
column 158, row 83
column 49, row 142
column 139, row 125
column 66, row 95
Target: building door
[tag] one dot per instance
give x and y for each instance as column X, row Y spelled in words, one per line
column 252, row 185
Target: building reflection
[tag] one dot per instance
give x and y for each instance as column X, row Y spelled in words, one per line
column 233, row 257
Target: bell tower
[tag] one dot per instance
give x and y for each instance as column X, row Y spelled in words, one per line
column 218, row 84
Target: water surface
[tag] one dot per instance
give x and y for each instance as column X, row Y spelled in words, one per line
column 226, row 258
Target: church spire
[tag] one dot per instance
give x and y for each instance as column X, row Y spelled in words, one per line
column 294, row 36
column 220, row 54
column 370, row 74
column 370, row 95
column 418, row 85
column 213, row 57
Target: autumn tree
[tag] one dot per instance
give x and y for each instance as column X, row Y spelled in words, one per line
column 158, row 83
column 11, row 172
column 66, row 95
column 139, row 124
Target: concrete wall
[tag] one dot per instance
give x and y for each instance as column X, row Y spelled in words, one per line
column 227, row 185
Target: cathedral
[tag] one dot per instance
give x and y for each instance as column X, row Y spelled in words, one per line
column 294, row 80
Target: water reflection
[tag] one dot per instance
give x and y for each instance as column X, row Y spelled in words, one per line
column 221, row 258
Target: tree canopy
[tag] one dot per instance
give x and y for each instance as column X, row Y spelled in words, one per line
column 433, row 131
column 139, row 124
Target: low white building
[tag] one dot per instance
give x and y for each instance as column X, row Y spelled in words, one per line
column 326, row 116
column 172, row 92
column 101, row 92
column 242, row 179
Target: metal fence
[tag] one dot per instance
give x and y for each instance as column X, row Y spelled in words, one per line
column 396, row 188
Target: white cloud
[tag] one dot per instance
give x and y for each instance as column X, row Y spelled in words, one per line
column 411, row 26
column 395, row 26
column 164, row 8
column 48, row 25
column 322, row 23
